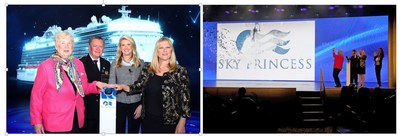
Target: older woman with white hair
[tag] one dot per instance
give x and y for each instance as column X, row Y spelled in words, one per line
column 56, row 103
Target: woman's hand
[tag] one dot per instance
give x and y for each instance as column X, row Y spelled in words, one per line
column 138, row 112
column 102, row 85
column 122, row 87
column 180, row 127
column 39, row 129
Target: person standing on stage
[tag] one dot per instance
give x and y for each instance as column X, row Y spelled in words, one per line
column 165, row 91
column 361, row 68
column 125, row 70
column 97, row 69
column 337, row 66
column 378, row 57
column 354, row 60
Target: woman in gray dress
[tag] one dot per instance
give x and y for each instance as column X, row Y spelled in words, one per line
column 125, row 70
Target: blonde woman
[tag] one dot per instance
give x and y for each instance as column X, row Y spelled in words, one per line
column 361, row 68
column 125, row 70
column 165, row 88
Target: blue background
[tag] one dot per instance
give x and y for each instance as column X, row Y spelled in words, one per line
column 368, row 33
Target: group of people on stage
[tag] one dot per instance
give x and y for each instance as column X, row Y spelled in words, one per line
column 65, row 93
column 357, row 66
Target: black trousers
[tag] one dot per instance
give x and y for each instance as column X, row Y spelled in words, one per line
column 92, row 110
column 154, row 124
column 336, row 76
column 378, row 69
column 125, row 111
column 354, row 76
column 75, row 126
column 91, row 125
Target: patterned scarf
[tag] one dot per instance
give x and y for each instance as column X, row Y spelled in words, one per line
column 72, row 73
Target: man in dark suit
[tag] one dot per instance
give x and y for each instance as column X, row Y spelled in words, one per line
column 354, row 63
column 97, row 69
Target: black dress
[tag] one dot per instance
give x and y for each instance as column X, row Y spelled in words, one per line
column 153, row 119
column 362, row 66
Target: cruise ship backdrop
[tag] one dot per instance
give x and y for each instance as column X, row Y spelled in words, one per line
column 143, row 30
column 30, row 40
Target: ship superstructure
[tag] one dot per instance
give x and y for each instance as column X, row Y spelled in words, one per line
column 143, row 31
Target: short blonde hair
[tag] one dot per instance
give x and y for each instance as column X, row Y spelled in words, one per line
column 155, row 65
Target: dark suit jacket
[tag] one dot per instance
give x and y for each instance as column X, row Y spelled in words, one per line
column 92, row 107
column 354, row 63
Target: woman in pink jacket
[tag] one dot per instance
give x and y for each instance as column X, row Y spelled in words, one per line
column 57, row 94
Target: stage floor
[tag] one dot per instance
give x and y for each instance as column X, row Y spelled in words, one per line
column 299, row 85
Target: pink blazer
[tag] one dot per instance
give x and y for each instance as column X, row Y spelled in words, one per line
column 55, row 110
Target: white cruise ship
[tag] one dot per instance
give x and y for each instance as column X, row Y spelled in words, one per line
column 144, row 31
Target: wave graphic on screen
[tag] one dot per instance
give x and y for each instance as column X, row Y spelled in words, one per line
column 259, row 39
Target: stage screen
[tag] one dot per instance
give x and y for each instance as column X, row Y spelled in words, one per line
column 266, row 50
column 290, row 49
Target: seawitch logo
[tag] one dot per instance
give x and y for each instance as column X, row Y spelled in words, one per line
column 273, row 39
column 266, row 50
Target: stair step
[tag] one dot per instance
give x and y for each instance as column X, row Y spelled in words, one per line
column 309, row 94
column 313, row 120
column 311, row 101
column 311, row 104
column 312, row 108
column 310, row 97
column 312, row 112
column 313, row 116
